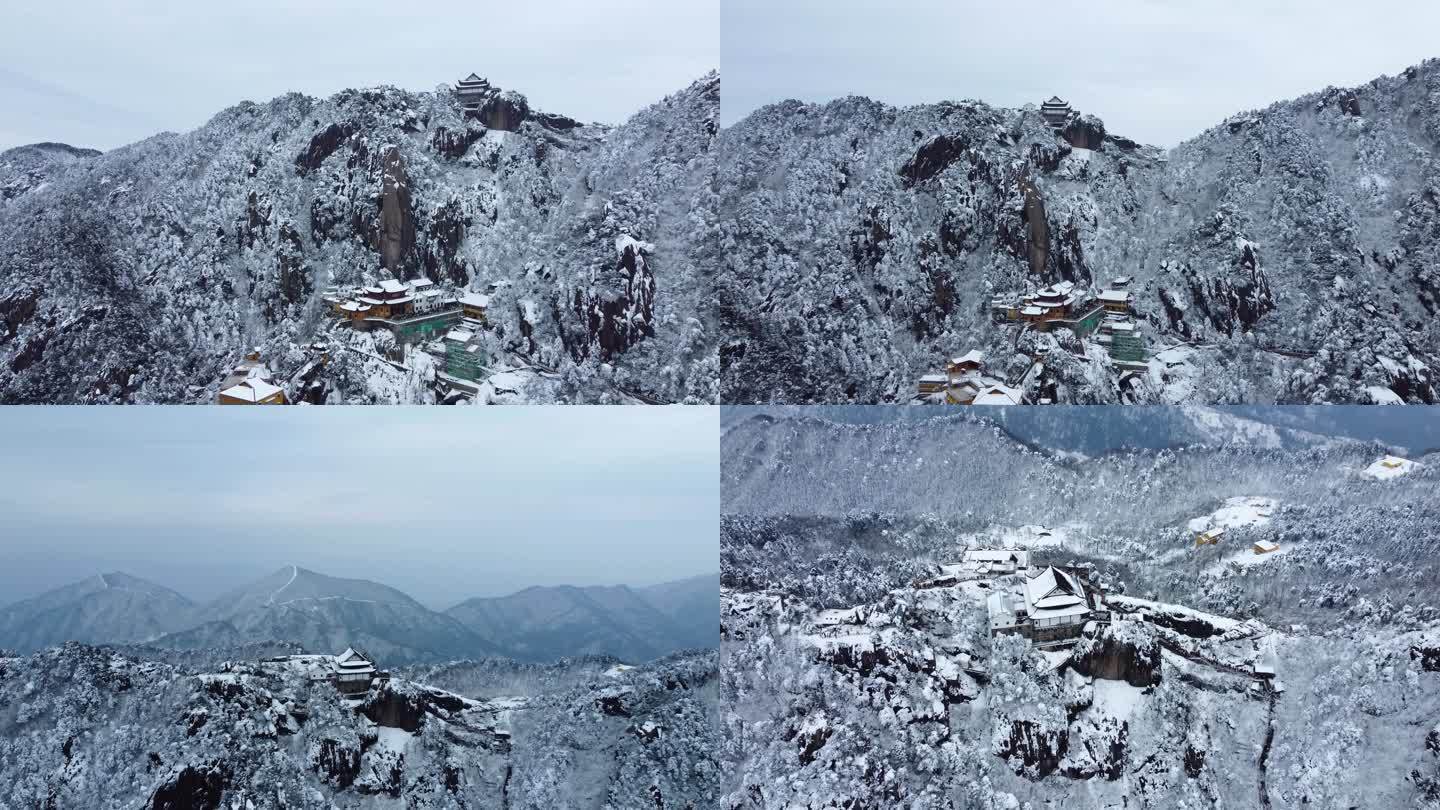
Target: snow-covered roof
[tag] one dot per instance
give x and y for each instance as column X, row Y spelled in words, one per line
column 974, row 356
column 998, row 395
column 1001, row 555
column 1054, row 592
column 1266, row 545
column 460, row 335
column 390, row 285
column 934, row 378
column 1114, row 296
column 421, row 282
column 251, row 390
column 1032, row 311
column 472, row 299
column 353, row 661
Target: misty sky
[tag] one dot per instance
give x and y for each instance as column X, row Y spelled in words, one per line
column 442, row 503
column 1157, row 71
column 104, row 73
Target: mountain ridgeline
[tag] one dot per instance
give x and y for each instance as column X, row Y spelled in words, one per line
column 1290, row 252
column 327, row 614
column 142, row 274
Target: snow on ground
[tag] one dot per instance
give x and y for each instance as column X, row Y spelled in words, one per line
column 1116, row 699
column 618, row 670
column 1174, row 373
column 392, row 739
column 1390, row 467
column 1131, row 603
column 1380, row 395
column 1237, row 512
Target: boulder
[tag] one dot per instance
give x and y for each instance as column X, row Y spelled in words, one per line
column 1084, row 132
column 504, row 111
column 1120, row 651
column 194, row 787
column 324, row 144
column 933, row 157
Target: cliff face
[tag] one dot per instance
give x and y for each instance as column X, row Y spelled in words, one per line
column 1294, row 246
column 140, row 274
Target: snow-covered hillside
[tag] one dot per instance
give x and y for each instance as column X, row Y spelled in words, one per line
column 88, row 726
column 143, row 274
column 1263, row 670
column 1287, row 254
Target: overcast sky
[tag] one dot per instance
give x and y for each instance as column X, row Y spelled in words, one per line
column 1157, row 71
column 104, row 73
column 442, row 503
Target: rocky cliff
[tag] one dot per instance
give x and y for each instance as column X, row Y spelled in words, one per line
column 1288, row 252
column 140, row 275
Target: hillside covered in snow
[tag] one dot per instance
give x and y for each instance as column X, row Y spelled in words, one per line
column 143, row 275
column 1269, row 627
column 1285, row 255
column 84, row 726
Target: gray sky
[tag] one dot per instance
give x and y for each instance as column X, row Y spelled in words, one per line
column 1157, row 71
column 442, row 503
column 102, row 74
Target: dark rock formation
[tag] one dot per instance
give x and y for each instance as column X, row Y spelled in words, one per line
column 323, row 145
column 811, row 743
column 397, row 221
column 16, row 309
column 1037, row 227
column 505, row 111
column 454, row 145
column 618, row 317
column 445, row 232
column 386, row 706
column 612, row 705
column 933, row 157
column 1194, row 761
column 1034, row 748
column 556, row 122
column 1429, row 658
column 290, row 255
column 195, row 787
column 1103, row 751
column 1084, row 132
column 337, row 763
column 1121, row 651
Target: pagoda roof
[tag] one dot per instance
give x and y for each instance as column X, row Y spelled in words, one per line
column 1057, row 101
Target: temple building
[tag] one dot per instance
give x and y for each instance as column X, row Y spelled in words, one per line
column 1056, row 112
column 1049, row 608
column 249, row 384
column 472, row 92
column 1209, row 537
column 473, row 305
column 1116, row 301
column 352, row 671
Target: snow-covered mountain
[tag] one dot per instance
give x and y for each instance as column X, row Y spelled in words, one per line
column 327, row 614
column 113, row 607
column 543, row 623
column 859, row 666
column 145, row 273
column 84, row 726
column 1287, row 254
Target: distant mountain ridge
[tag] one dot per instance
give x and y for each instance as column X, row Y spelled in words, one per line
column 324, row 613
